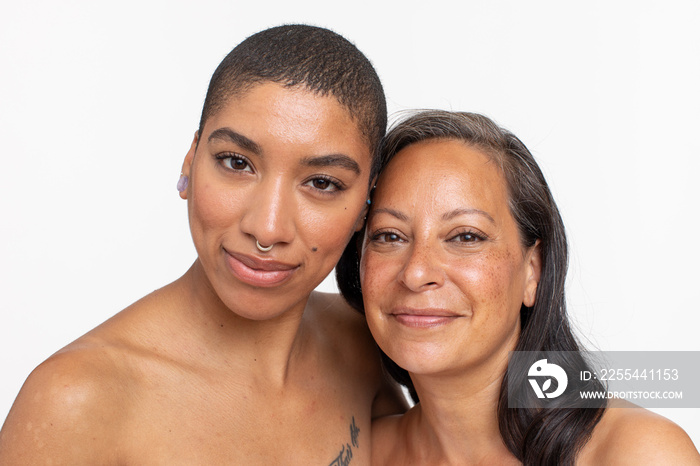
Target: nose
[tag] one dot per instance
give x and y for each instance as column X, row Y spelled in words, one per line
column 270, row 213
column 422, row 270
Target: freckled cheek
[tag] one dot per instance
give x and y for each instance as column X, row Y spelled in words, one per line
column 375, row 280
column 488, row 291
column 378, row 276
column 487, row 284
column 370, row 278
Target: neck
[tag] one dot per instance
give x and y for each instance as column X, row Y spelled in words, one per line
column 265, row 350
column 458, row 413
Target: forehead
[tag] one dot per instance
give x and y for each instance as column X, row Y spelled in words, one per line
column 293, row 115
column 444, row 174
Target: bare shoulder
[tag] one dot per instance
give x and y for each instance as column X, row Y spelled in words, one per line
column 631, row 435
column 73, row 406
column 67, row 410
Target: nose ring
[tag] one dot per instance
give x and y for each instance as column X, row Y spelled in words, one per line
column 262, row 248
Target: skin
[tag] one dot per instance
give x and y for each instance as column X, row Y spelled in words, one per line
column 444, row 275
column 238, row 361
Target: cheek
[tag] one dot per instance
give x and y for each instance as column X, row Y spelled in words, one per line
column 375, row 281
column 495, row 292
column 493, row 286
column 378, row 277
column 326, row 232
column 211, row 208
column 325, row 228
column 371, row 278
column 377, row 273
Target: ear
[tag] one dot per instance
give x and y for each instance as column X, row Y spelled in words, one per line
column 187, row 164
column 533, row 271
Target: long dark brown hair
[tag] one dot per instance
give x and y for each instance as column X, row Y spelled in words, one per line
column 536, row 436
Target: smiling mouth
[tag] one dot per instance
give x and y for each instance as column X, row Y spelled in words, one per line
column 424, row 318
column 257, row 272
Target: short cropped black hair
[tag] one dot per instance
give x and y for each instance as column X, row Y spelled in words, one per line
column 314, row 58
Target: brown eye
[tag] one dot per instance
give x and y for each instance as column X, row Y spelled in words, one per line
column 386, row 238
column 467, row 237
column 321, row 184
column 325, row 185
column 238, row 164
column 235, row 162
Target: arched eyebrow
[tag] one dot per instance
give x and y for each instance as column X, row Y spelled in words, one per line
column 445, row 217
column 227, row 134
column 466, row 211
column 333, row 160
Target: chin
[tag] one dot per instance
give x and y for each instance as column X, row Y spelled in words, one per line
column 258, row 304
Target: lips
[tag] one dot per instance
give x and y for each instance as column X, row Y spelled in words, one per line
column 258, row 272
column 423, row 318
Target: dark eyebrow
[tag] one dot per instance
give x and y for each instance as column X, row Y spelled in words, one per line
column 464, row 211
column 333, row 160
column 394, row 213
column 227, row 134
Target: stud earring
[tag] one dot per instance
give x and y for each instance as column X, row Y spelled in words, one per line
column 182, row 182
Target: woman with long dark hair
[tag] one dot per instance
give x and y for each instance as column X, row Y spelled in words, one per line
column 462, row 261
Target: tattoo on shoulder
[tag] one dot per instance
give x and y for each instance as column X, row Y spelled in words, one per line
column 345, row 455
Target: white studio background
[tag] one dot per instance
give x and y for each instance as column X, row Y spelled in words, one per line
column 99, row 102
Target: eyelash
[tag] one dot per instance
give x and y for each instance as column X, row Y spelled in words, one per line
column 231, row 157
column 476, row 237
column 335, row 183
column 379, row 234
